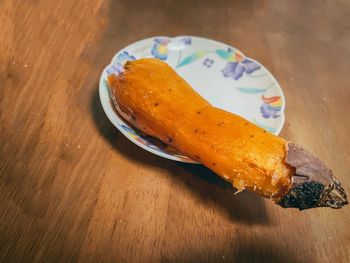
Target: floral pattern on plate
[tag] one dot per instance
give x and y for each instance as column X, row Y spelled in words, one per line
column 117, row 67
column 271, row 106
column 160, row 47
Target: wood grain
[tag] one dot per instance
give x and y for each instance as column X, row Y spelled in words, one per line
column 73, row 189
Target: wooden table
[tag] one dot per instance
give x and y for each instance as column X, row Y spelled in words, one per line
column 73, row 189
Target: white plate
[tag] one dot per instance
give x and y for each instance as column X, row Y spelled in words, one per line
column 219, row 72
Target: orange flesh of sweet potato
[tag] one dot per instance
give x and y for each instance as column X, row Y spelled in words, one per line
column 156, row 100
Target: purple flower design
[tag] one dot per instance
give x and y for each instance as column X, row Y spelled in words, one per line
column 117, row 67
column 124, row 57
column 235, row 70
column 186, row 41
column 208, row 62
column 267, row 111
column 271, row 107
column 161, row 45
column 160, row 48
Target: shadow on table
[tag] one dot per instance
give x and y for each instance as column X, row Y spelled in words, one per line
column 246, row 207
column 208, row 187
column 243, row 251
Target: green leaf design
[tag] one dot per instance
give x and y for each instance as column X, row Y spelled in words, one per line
column 254, row 89
column 225, row 55
column 257, row 75
column 192, row 58
column 250, row 89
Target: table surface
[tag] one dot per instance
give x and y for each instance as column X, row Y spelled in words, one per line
column 73, row 189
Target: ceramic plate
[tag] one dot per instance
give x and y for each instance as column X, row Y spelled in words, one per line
column 222, row 74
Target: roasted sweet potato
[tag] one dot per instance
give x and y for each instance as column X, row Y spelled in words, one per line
column 152, row 97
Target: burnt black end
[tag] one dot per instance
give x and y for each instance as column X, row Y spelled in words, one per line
column 314, row 194
column 312, row 184
column 303, row 196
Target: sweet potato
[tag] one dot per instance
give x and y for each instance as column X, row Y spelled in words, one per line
column 152, row 97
